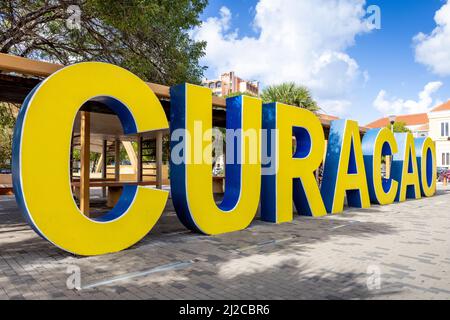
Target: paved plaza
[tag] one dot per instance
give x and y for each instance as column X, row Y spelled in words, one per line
column 400, row 251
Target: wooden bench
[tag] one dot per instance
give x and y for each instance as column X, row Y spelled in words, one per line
column 6, row 189
column 114, row 188
column 218, row 186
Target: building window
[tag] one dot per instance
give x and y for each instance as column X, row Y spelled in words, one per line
column 446, row 159
column 444, row 129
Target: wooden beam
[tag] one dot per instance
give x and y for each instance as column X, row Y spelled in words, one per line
column 29, row 67
column 159, row 162
column 71, row 157
column 388, row 164
column 104, row 158
column 117, row 160
column 104, row 164
column 139, row 159
column 98, row 165
column 131, row 154
column 24, row 66
column 85, row 162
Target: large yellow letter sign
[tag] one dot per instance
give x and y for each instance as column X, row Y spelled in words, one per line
column 376, row 144
column 41, row 155
column 426, row 162
column 404, row 168
column 344, row 171
column 191, row 175
column 292, row 175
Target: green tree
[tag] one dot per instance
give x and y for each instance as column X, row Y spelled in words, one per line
column 8, row 113
column 290, row 93
column 399, row 127
column 235, row 94
column 5, row 147
column 148, row 37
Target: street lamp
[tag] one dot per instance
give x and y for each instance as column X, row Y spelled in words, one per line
column 392, row 121
column 389, row 157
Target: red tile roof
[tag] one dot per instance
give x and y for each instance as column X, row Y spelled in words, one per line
column 442, row 107
column 408, row 119
column 425, row 127
column 327, row 117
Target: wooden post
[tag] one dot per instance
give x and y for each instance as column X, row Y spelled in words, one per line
column 388, row 166
column 117, row 160
column 85, row 161
column 159, row 163
column 139, row 159
column 71, row 159
column 104, row 164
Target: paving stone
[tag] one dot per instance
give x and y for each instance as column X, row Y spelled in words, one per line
column 392, row 252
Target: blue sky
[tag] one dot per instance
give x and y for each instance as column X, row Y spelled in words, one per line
column 352, row 71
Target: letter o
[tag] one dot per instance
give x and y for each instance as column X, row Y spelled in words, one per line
column 426, row 162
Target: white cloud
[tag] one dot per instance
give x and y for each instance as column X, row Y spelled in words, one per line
column 433, row 50
column 335, row 107
column 302, row 41
column 400, row 106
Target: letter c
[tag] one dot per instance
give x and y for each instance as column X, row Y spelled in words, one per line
column 377, row 143
column 41, row 155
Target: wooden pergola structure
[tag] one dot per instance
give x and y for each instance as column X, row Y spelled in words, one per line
column 18, row 76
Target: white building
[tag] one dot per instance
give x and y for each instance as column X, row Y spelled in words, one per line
column 418, row 123
column 439, row 131
column 434, row 124
column 230, row 83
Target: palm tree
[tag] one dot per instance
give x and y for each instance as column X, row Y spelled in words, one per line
column 291, row 94
column 238, row 93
